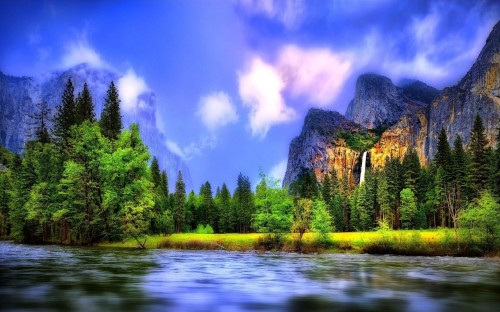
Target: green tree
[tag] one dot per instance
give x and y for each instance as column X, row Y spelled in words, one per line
column 192, row 211
column 274, row 210
column 85, row 106
column 155, row 173
column 306, row 185
column 207, row 205
column 443, row 155
column 244, row 204
column 179, row 203
column 482, row 218
column 479, row 158
column 302, row 217
column 384, row 199
column 40, row 123
column 65, row 117
column 226, row 219
column 321, row 222
column 411, row 170
column 111, row 120
column 408, row 208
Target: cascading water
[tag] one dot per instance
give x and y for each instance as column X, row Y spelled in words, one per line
column 363, row 165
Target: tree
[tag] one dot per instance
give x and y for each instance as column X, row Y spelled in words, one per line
column 395, row 184
column 274, row 211
column 179, row 203
column 479, row 158
column 207, row 205
column 302, row 217
column 482, row 218
column 65, row 116
column 497, row 165
column 40, row 123
column 411, row 170
column 384, row 199
column 443, row 155
column 155, row 173
column 408, row 208
column 226, row 215
column 326, row 189
column 192, row 211
column 365, row 204
column 306, row 185
column 244, row 204
column 111, row 120
column 320, row 221
column 85, row 106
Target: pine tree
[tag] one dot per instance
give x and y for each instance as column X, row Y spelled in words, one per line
column 460, row 166
column 443, row 155
column 40, row 123
column 111, row 120
column 411, row 170
column 155, row 172
column 326, row 189
column 179, row 203
column 479, row 158
column 226, row 219
column 244, row 204
column 84, row 106
column 164, row 183
column 65, row 116
column 497, row 167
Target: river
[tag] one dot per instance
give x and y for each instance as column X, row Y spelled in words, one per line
column 48, row 278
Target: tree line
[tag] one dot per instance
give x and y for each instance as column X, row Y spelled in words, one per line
column 83, row 180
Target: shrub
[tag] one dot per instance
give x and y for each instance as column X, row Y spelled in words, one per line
column 200, row 229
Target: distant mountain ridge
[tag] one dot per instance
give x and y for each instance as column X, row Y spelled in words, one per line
column 18, row 96
column 415, row 113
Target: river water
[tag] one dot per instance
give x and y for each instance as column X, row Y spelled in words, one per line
column 47, row 278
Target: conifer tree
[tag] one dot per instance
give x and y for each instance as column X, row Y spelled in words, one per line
column 479, row 158
column 326, row 189
column 411, row 170
column 111, row 120
column 497, row 165
column 65, row 116
column 40, row 123
column 155, row 172
column 226, row 219
column 179, row 203
column 443, row 154
column 84, row 106
column 244, row 204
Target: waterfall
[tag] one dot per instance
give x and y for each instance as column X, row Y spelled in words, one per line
column 363, row 165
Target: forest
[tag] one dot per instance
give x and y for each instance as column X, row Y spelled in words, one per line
column 83, row 181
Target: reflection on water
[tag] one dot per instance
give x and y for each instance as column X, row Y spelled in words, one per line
column 87, row 279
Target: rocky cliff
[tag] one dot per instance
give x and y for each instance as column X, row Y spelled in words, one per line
column 18, row 96
column 414, row 124
column 378, row 102
column 319, row 147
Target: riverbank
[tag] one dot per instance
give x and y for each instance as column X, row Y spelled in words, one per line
column 441, row 242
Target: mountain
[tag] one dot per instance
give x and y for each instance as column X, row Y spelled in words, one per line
column 379, row 103
column 478, row 92
column 321, row 147
column 18, row 96
column 415, row 111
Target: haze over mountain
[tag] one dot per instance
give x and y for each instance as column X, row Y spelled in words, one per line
column 19, row 95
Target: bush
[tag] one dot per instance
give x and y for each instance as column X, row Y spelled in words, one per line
column 272, row 242
column 200, row 229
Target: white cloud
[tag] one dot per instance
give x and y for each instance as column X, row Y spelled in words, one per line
column 290, row 13
column 216, row 110
column 260, row 87
column 194, row 148
column 78, row 52
column 279, row 170
column 176, row 149
column 130, row 88
column 317, row 74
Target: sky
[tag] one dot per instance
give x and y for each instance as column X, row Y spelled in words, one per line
column 234, row 79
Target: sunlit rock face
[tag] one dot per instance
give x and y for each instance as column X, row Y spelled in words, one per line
column 378, row 102
column 318, row 147
column 413, row 122
column 18, row 96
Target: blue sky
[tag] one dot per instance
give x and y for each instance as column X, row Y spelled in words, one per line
column 234, row 79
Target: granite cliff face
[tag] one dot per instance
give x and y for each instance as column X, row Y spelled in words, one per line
column 378, row 102
column 320, row 148
column 18, row 96
column 414, row 123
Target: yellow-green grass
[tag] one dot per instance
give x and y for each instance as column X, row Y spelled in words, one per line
column 341, row 242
